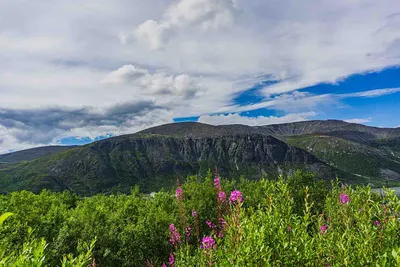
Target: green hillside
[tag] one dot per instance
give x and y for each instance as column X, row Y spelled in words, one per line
column 155, row 158
column 155, row 161
column 33, row 153
column 371, row 163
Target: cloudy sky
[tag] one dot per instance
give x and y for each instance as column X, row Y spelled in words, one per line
column 76, row 71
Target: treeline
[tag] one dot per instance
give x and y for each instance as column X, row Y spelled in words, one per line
column 209, row 221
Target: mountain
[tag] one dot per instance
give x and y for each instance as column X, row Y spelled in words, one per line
column 359, row 159
column 349, row 131
column 156, row 157
column 371, row 153
column 31, row 154
column 153, row 161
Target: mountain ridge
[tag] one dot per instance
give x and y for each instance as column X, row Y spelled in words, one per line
column 154, row 157
column 250, row 129
column 32, row 153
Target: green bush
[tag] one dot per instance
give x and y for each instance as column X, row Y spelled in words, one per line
column 290, row 221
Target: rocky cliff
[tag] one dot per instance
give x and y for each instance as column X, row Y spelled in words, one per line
column 154, row 161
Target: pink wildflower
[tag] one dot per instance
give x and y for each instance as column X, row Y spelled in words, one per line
column 179, row 193
column 289, row 228
column 236, row 196
column 164, row 265
column 172, row 227
column 210, row 224
column 323, row 229
column 194, row 213
column 217, row 183
column 377, row 223
column 221, row 232
column 171, row 259
column 175, row 236
column 188, row 229
column 329, row 219
column 207, row 243
column 344, row 198
column 223, row 223
column 222, row 196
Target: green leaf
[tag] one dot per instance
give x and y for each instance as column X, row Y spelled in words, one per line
column 394, row 253
column 5, row 216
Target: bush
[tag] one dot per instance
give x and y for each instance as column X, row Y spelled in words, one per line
column 290, row 221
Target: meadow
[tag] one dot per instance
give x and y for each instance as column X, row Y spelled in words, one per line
column 205, row 221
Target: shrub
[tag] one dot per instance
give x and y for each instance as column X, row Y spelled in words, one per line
column 209, row 221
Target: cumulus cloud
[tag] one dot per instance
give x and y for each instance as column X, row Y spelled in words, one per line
column 24, row 128
column 235, row 118
column 55, row 53
column 203, row 13
column 153, row 33
column 153, row 84
column 358, row 120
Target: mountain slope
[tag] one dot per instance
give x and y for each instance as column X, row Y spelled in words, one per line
column 31, row 154
column 391, row 146
column 352, row 157
column 153, row 161
column 349, row 131
column 157, row 156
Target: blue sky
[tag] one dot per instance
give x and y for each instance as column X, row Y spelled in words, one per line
column 72, row 74
column 73, row 141
column 377, row 111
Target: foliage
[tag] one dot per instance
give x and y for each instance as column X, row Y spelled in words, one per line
column 289, row 221
column 364, row 159
column 352, row 227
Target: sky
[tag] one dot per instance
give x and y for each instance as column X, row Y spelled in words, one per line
column 72, row 72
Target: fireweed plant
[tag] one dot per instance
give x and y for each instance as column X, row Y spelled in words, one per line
column 205, row 221
column 354, row 228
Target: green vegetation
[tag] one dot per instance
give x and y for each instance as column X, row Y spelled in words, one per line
column 366, row 162
column 151, row 162
column 33, row 153
column 154, row 157
column 290, row 221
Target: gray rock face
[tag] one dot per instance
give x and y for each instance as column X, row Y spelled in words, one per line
column 130, row 161
column 154, row 161
column 228, row 149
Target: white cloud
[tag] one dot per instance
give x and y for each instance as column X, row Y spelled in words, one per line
column 21, row 129
column 373, row 93
column 153, row 33
column 358, row 120
column 125, row 74
column 153, row 84
column 56, row 53
column 235, row 118
column 204, row 13
column 300, row 101
column 291, row 102
column 8, row 141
